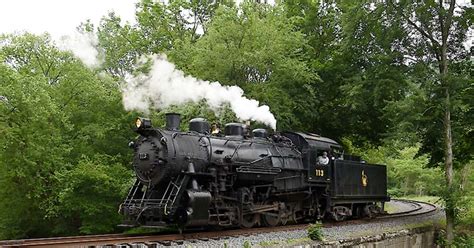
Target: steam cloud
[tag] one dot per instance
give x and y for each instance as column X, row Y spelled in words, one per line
column 83, row 46
column 165, row 85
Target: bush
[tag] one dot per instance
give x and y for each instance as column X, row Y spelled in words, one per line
column 395, row 192
column 247, row 244
column 90, row 195
column 315, row 231
column 463, row 241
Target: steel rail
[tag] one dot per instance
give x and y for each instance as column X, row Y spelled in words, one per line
column 149, row 240
column 411, row 212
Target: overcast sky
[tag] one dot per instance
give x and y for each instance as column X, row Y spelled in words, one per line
column 58, row 17
column 61, row 17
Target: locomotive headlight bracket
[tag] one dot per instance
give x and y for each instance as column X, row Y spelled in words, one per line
column 142, row 123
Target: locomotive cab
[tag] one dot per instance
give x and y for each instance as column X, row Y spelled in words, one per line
column 313, row 147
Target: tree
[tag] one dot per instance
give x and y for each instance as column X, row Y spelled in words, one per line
column 121, row 45
column 395, row 66
column 31, row 125
column 438, row 30
column 160, row 27
column 47, row 127
column 88, row 196
column 361, row 69
column 163, row 24
column 255, row 47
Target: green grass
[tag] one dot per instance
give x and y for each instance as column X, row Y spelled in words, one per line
column 390, row 208
column 247, row 244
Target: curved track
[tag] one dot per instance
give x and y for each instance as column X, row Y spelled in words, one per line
column 415, row 208
column 418, row 208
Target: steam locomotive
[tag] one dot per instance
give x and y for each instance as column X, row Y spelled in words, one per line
column 246, row 179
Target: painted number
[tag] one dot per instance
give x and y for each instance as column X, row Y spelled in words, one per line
column 319, row 173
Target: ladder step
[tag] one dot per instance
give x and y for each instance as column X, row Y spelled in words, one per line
column 172, row 192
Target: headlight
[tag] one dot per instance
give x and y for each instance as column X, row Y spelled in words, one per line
column 138, row 123
column 143, row 123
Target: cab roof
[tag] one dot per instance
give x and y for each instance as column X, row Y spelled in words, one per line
column 304, row 140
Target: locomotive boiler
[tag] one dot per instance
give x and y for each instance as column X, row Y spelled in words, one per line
column 245, row 178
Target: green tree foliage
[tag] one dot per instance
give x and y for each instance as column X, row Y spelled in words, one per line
column 160, row 27
column 427, row 42
column 357, row 57
column 164, row 24
column 31, row 127
column 255, row 47
column 467, row 211
column 89, row 192
column 438, row 30
column 399, row 70
column 47, row 127
column 121, row 45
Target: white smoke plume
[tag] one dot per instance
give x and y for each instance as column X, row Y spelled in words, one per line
column 165, row 85
column 83, row 45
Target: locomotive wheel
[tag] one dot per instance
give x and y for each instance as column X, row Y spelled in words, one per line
column 338, row 217
column 273, row 218
column 249, row 220
column 372, row 210
column 340, row 213
column 246, row 200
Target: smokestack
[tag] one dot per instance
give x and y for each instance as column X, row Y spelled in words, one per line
column 172, row 121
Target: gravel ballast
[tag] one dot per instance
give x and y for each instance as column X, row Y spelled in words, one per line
column 295, row 237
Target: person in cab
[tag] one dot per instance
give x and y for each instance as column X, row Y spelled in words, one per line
column 323, row 159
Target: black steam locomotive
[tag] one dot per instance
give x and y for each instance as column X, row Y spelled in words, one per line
column 238, row 178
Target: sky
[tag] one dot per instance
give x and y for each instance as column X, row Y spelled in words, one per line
column 59, row 17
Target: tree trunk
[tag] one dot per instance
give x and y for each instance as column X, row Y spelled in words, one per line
column 449, row 171
column 448, row 149
column 445, row 21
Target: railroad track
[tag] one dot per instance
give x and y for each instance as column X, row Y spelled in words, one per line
column 123, row 240
column 147, row 241
column 419, row 208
